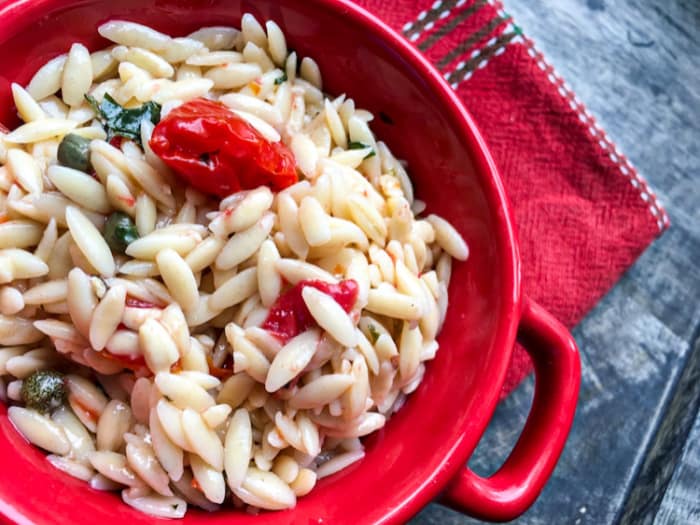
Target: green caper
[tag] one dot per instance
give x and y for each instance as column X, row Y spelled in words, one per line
column 74, row 152
column 44, row 390
column 120, row 231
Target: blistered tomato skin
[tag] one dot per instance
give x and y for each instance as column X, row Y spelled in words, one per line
column 289, row 315
column 219, row 153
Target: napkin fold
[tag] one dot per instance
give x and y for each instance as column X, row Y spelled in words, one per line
column 582, row 211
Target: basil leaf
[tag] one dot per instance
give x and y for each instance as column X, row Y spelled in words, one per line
column 280, row 79
column 361, row 145
column 121, row 121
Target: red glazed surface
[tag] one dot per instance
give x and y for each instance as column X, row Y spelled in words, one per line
column 428, row 442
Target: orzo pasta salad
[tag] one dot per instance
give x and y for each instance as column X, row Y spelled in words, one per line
column 214, row 279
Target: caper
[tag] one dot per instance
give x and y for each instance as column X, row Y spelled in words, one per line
column 74, row 152
column 44, row 390
column 120, row 231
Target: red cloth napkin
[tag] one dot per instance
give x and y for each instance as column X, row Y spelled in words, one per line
column 583, row 212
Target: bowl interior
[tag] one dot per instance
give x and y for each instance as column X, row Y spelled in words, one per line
column 409, row 461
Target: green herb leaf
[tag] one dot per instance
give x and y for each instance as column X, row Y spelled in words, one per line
column 362, row 145
column 124, row 122
column 373, row 332
column 281, row 79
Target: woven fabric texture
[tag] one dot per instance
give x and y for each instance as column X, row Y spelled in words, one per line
column 583, row 213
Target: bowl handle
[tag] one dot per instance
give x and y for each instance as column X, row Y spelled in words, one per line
column 515, row 486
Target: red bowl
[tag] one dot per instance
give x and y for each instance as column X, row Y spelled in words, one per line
column 423, row 449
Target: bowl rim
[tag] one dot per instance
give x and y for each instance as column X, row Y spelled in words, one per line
column 492, row 185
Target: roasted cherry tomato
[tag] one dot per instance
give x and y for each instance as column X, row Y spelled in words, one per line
column 289, row 315
column 219, row 153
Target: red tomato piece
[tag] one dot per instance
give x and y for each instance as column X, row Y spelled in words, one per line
column 134, row 364
column 218, row 152
column 289, row 315
column 224, row 371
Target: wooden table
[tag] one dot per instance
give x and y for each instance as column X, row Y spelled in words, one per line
column 634, row 452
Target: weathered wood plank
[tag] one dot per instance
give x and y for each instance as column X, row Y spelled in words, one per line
column 665, row 481
column 680, row 503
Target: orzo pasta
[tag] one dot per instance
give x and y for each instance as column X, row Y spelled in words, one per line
column 214, row 278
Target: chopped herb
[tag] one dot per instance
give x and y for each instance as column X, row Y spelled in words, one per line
column 373, row 332
column 362, row 145
column 120, row 231
column 281, row 79
column 124, row 122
